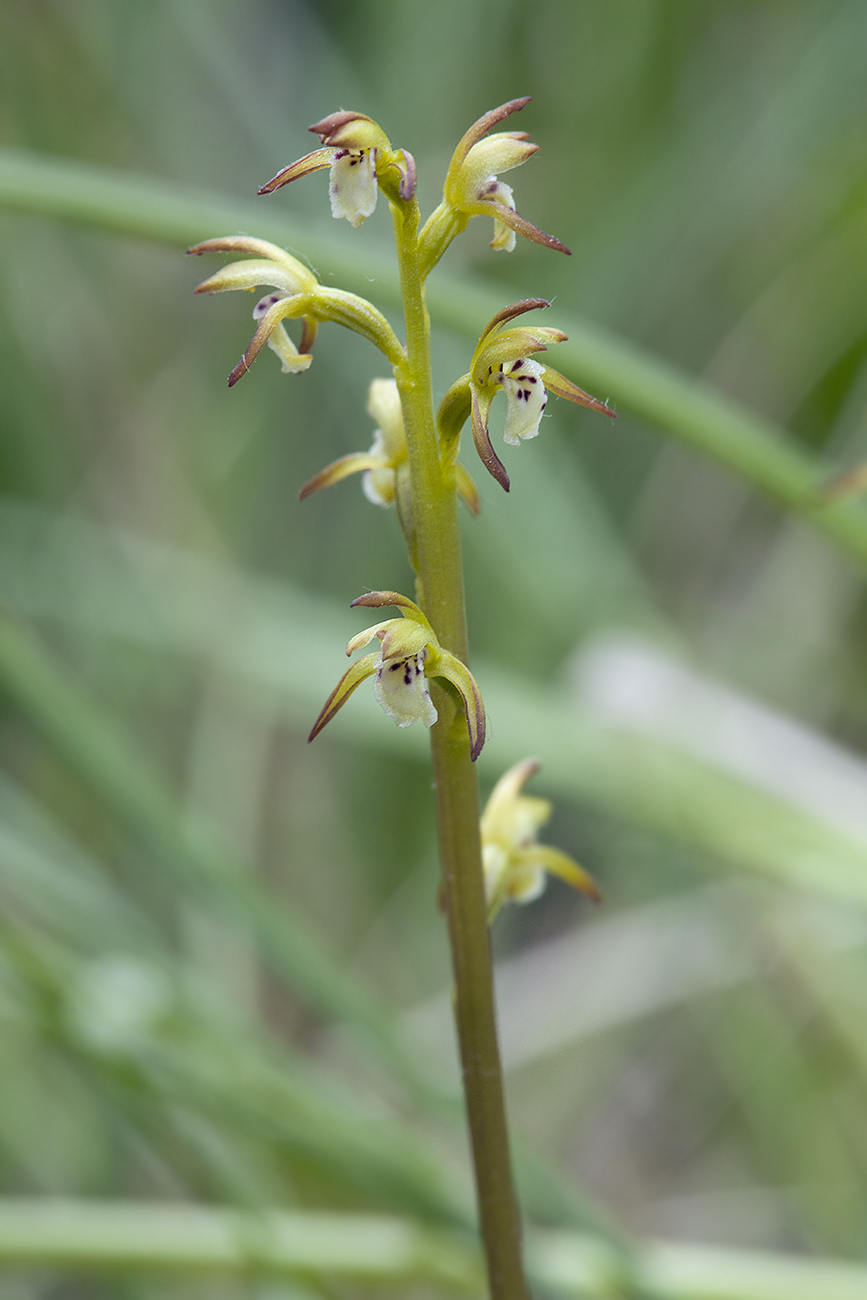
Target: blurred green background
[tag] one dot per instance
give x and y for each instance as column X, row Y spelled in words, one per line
column 223, row 975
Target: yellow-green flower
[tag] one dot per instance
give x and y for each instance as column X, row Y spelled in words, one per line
column 473, row 189
column 378, row 466
column 361, row 162
column 296, row 293
column 409, row 653
column 514, row 863
column 387, row 458
column 503, row 363
column 295, row 287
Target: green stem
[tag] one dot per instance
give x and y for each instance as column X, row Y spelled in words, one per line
column 441, row 595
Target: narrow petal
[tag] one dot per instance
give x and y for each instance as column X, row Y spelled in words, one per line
column 352, row 187
column 401, row 689
column 489, row 458
column 360, row 639
column 353, row 677
column 253, row 274
column 443, row 664
column 354, row 463
column 560, row 864
column 563, row 387
column 311, row 162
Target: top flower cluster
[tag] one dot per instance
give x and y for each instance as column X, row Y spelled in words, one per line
column 362, row 161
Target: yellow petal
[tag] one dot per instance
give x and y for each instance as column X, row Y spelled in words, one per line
column 341, row 469
column 560, row 864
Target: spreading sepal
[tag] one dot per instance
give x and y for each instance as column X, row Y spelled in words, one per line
column 409, row 653
column 514, row 863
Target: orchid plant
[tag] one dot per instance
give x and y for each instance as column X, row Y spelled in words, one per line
column 420, row 671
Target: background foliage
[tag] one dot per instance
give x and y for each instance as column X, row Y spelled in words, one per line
column 223, row 976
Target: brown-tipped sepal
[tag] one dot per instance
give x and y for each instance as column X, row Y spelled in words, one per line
column 560, row 386
column 443, row 664
column 353, row 677
column 311, row 162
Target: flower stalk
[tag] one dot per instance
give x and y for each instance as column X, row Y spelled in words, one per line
column 441, row 594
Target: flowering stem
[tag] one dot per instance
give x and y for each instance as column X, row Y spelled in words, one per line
column 440, row 592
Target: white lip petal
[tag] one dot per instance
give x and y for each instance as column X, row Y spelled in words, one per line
column 352, row 186
column 400, row 688
column 525, row 399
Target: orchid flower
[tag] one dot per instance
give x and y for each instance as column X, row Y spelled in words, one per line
column 296, row 292
column 472, row 188
column 378, row 466
column 295, row 288
column 387, row 458
column 503, row 362
column 409, row 653
column 361, row 161
column 514, row 863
